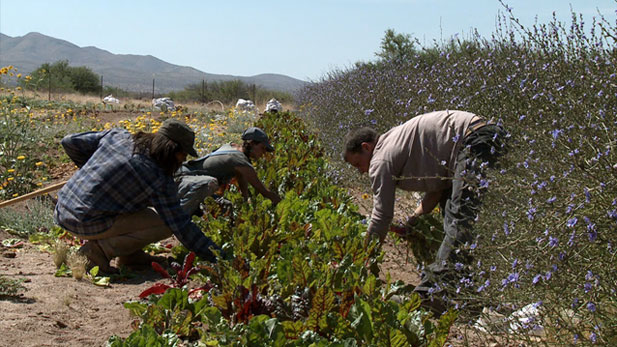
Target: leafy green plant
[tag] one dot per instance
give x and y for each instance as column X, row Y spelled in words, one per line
column 298, row 273
column 10, row 287
column 422, row 238
column 37, row 216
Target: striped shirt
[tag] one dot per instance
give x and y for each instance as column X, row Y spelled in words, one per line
column 112, row 181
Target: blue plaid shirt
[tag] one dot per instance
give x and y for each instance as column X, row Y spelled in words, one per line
column 112, row 181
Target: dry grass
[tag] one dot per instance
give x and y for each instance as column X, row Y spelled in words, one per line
column 61, row 251
column 78, row 263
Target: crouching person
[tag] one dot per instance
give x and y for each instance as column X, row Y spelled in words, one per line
column 123, row 197
column 200, row 178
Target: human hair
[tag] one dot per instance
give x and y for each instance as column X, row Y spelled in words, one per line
column 160, row 149
column 355, row 138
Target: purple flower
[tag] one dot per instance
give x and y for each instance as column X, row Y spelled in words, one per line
column 536, row 279
column 591, row 306
column 571, row 222
column 368, row 112
column 458, row 266
column 456, row 138
column 553, row 241
column 482, row 287
column 589, row 275
column 530, row 213
column 512, row 278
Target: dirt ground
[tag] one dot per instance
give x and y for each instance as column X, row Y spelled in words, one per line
column 62, row 311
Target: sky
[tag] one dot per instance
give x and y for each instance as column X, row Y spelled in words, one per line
column 304, row 39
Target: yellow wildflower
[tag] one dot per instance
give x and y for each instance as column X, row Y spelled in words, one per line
column 21, row 157
column 10, row 179
column 365, row 196
column 38, row 163
column 15, row 195
column 10, row 170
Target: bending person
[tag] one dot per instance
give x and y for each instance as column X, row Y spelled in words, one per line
column 123, row 196
column 441, row 153
column 200, row 178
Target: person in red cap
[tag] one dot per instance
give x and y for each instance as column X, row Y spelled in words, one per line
column 200, row 178
column 123, row 197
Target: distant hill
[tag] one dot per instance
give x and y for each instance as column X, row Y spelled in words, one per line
column 127, row 71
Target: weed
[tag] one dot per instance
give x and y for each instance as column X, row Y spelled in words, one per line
column 60, row 253
column 77, row 263
column 36, row 215
column 10, row 287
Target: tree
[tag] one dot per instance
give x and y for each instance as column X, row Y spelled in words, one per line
column 396, row 46
column 85, row 80
column 53, row 76
column 60, row 77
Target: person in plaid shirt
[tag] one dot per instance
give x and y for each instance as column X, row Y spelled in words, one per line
column 123, row 197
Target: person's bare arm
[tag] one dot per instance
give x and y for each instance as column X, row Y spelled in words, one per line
column 249, row 175
column 428, row 203
column 243, row 185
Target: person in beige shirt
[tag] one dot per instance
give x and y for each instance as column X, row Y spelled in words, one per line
column 438, row 153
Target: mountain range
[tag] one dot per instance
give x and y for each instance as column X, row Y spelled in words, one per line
column 126, row 71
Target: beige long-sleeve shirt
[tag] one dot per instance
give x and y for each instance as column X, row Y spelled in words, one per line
column 418, row 155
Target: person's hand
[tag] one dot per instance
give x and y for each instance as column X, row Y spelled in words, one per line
column 412, row 220
column 399, row 229
column 275, row 199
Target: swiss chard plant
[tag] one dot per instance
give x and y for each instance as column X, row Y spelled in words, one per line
column 298, row 273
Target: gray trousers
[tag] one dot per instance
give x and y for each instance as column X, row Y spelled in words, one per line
column 193, row 189
column 460, row 205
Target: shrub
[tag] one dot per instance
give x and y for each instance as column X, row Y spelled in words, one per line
column 547, row 229
column 60, row 77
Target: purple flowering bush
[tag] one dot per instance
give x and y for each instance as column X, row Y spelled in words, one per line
column 547, row 232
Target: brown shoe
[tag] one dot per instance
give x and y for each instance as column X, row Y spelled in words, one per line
column 96, row 257
column 139, row 259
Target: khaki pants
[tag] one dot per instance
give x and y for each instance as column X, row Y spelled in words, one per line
column 131, row 233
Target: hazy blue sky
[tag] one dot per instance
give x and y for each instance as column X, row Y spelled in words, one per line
column 300, row 38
